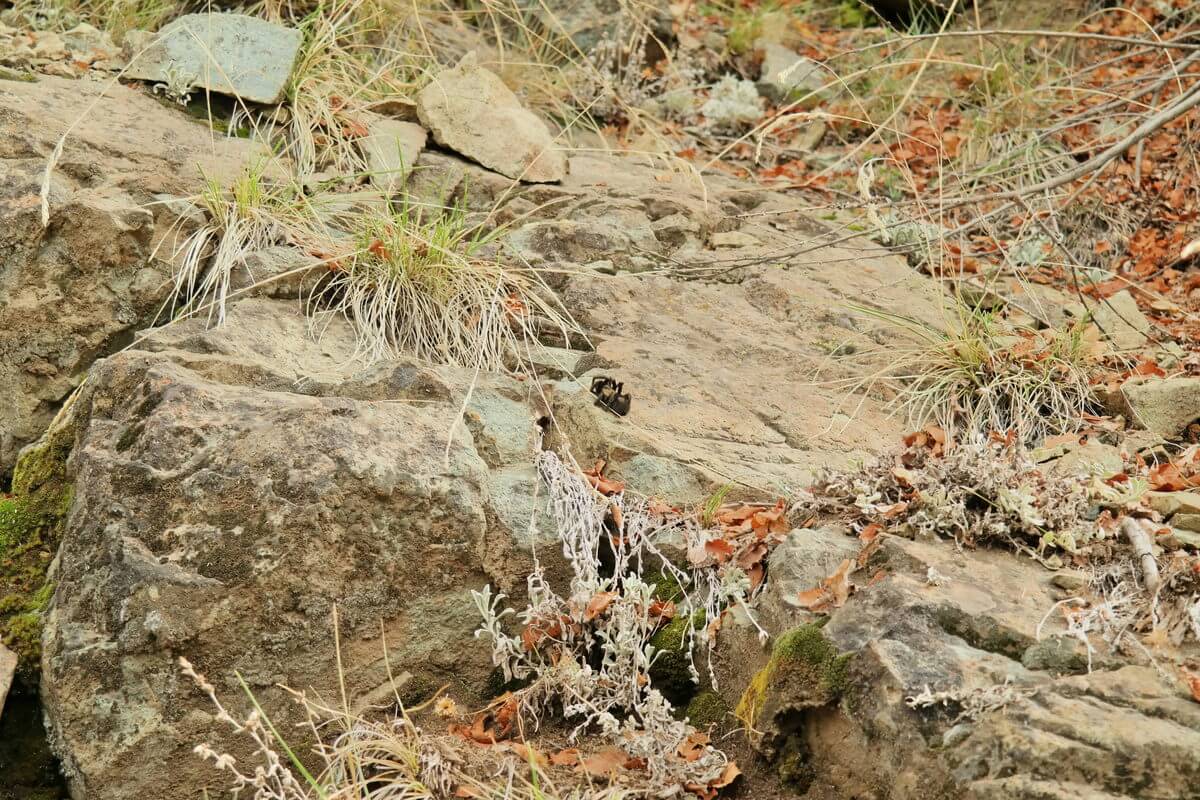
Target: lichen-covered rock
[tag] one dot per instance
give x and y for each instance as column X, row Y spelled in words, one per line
column 32, row 517
column 469, row 109
column 235, row 54
column 955, row 628
column 233, row 487
column 75, row 290
column 391, row 150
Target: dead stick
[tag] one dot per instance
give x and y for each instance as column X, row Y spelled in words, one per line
column 1139, row 539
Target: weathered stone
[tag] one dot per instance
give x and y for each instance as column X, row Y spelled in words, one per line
column 75, row 290
column 732, row 239
column 1168, row 503
column 8, row 669
column 1120, row 321
column 469, row 109
column 983, row 627
column 787, row 76
column 233, row 486
column 391, row 151
column 1093, row 458
column 1165, row 406
column 1070, row 581
column 235, row 54
column 1186, row 521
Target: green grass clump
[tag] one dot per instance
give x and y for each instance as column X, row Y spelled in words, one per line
column 419, row 285
column 979, row 373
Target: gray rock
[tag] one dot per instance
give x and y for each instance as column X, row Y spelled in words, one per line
column 1168, row 503
column 282, row 272
column 1119, row 319
column 232, row 486
column 726, row 240
column 982, row 628
column 234, row 54
column 1186, row 521
column 71, row 292
column 391, row 150
column 1165, row 406
column 1069, row 581
column 469, row 110
column 8, row 669
column 787, row 76
column 1093, row 458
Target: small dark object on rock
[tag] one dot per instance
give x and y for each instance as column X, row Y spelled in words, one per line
column 611, row 395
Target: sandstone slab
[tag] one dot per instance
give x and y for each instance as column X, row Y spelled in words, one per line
column 233, row 486
column 1165, row 406
column 391, row 150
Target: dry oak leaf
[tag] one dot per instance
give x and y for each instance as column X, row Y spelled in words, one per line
column 603, row 485
column 598, row 605
column 605, row 763
column 693, row 747
column 833, row 591
column 720, row 549
column 663, row 610
column 1193, row 680
column 727, row 776
column 565, row 758
column 1169, row 477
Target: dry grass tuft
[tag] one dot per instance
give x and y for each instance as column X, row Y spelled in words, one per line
column 980, row 374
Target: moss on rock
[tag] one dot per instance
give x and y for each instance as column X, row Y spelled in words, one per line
column 671, row 672
column 707, row 709
column 31, row 520
column 805, row 667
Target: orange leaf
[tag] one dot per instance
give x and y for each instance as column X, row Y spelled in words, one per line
column 598, row 605
column 870, row 533
column 833, row 591
column 1193, row 684
column 605, row 763
column 565, row 758
column 694, row 746
column 719, row 549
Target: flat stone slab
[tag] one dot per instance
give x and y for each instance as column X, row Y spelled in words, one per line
column 233, row 54
column 469, row 110
column 391, row 149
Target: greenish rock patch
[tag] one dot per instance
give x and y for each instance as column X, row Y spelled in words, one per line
column 805, row 670
column 31, row 521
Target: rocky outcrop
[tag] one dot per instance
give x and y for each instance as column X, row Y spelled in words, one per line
column 233, row 488
column 947, row 675
column 79, row 287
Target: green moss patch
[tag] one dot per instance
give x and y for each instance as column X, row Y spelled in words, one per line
column 31, row 522
column 805, row 669
column 671, row 672
column 707, row 709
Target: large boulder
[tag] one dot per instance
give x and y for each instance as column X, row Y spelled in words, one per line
column 77, row 288
column 948, row 675
column 233, row 487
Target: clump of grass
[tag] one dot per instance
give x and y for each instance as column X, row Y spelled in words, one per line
column 981, row 374
column 352, row 55
column 114, row 16
column 251, row 213
column 422, row 286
